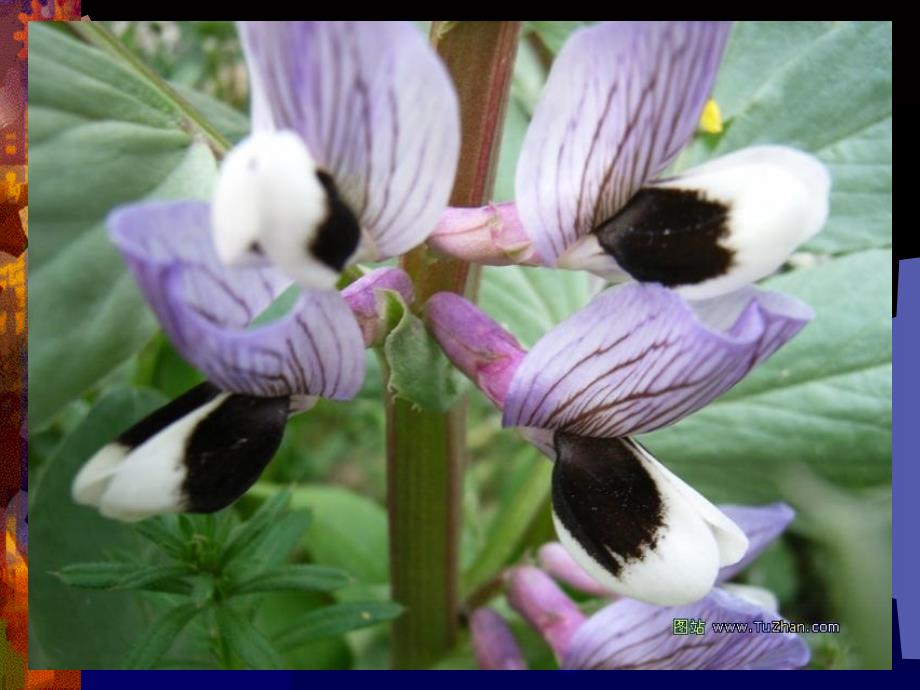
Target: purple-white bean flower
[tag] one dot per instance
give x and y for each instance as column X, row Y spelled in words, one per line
column 352, row 156
column 629, row 634
column 621, row 101
column 637, row 358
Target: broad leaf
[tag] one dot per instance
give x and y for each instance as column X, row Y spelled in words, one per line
column 348, row 531
column 69, row 627
column 100, row 136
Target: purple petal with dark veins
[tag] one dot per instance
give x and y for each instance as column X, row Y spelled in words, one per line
column 621, row 100
column 480, row 348
column 205, row 307
column 640, row 357
column 493, row 642
column 629, row 634
column 762, row 525
column 376, row 108
column 361, row 297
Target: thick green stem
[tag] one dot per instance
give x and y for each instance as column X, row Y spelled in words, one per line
column 425, row 450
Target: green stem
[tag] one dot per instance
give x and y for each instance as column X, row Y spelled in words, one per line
column 425, row 450
column 100, row 36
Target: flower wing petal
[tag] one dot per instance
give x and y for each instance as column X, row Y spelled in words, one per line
column 637, row 529
column 639, row 357
column 205, row 307
column 630, row 634
column 198, row 453
column 377, row 110
column 621, row 100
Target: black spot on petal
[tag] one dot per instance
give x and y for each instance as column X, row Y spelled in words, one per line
column 228, row 450
column 669, row 236
column 605, row 498
column 339, row 234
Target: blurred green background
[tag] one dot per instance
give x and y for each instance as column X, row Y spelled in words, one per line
column 811, row 427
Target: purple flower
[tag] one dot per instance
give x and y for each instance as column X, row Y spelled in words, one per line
column 628, row 634
column 352, row 155
column 637, row 358
column 620, row 102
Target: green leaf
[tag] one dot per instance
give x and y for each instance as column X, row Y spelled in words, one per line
column 162, row 531
column 100, row 136
column 159, row 637
column 230, row 122
column 277, row 611
column 348, row 530
column 245, row 536
column 337, row 620
column 246, row 642
column 824, row 87
column 73, row 78
column 74, row 628
column 555, row 34
column 283, row 537
column 294, row 577
column 410, row 349
column 823, row 400
column 530, row 301
column 115, row 575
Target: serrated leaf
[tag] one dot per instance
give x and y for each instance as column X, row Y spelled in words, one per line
column 246, row 642
column 410, row 349
column 157, row 530
column 294, row 577
column 158, row 638
column 337, row 620
column 281, row 539
column 114, row 575
column 245, row 536
column 823, row 400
